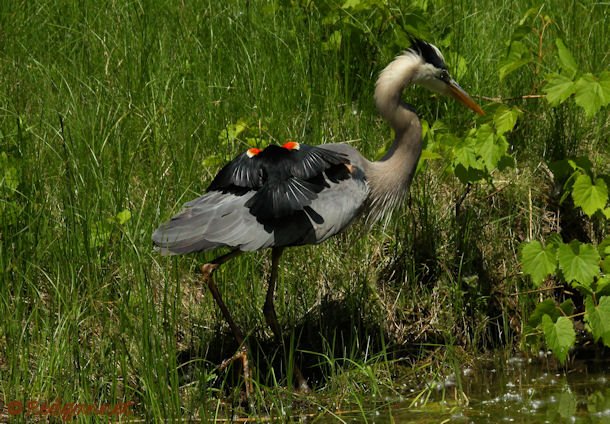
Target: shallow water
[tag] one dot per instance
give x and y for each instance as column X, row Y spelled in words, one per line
column 514, row 391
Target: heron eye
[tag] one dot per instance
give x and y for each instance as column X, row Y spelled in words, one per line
column 444, row 76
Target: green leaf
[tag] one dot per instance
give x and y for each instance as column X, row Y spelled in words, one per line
column 559, row 336
column 590, row 197
column 604, row 82
column 505, row 119
column 561, row 169
column 605, row 265
column 604, row 247
column 567, row 307
column 538, row 261
column 429, row 155
column 469, row 175
column 123, row 216
column 554, row 239
column 426, row 155
column 579, row 262
column 598, row 318
column 581, row 163
column 602, row 286
column 568, row 63
column 591, row 94
column 466, row 164
column 546, row 307
column 558, row 88
column 232, row 131
column 465, row 153
column 490, row 148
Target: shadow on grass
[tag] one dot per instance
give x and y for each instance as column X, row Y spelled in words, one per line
column 331, row 338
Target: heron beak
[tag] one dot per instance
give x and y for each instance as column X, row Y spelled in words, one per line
column 460, row 95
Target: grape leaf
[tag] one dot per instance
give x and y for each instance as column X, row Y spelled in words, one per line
column 598, row 318
column 538, row 261
column 604, row 247
column 465, row 153
column 567, row 307
column 579, row 262
column 546, row 307
column 559, row 336
column 554, row 239
column 558, row 88
column 602, row 286
column 505, row 118
column 588, row 196
column 591, row 94
column 490, row 148
column 605, row 265
column 604, row 82
column 568, row 63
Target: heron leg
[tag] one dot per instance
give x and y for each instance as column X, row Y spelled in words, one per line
column 271, row 316
column 207, row 270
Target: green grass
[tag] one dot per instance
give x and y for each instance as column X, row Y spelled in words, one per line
column 122, row 106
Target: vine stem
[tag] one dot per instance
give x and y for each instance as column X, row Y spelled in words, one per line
column 511, row 99
column 536, row 291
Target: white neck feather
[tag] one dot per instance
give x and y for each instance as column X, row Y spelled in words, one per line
column 389, row 178
column 392, row 81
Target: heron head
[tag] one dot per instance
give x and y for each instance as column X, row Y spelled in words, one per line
column 433, row 74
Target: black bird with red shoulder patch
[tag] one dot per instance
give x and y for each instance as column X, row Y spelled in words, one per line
column 286, row 178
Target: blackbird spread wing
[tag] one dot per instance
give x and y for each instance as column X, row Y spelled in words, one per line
column 286, row 179
column 241, row 172
column 311, row 161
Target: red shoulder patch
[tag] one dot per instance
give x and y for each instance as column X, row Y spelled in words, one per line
column 291, row 145
column 253, row 152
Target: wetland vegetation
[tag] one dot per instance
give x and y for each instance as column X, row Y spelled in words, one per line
column 112, row 115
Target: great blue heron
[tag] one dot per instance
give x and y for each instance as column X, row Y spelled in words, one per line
column 296, row 194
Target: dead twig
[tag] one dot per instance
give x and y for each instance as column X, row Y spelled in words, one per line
column 511, row 99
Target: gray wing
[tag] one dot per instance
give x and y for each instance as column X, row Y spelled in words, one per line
column 339, row 205
column 219, row 219
column 213, row 220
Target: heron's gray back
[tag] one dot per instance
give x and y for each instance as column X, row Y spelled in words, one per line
column 219, row 219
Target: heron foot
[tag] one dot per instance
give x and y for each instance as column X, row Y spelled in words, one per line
column 241, row 354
